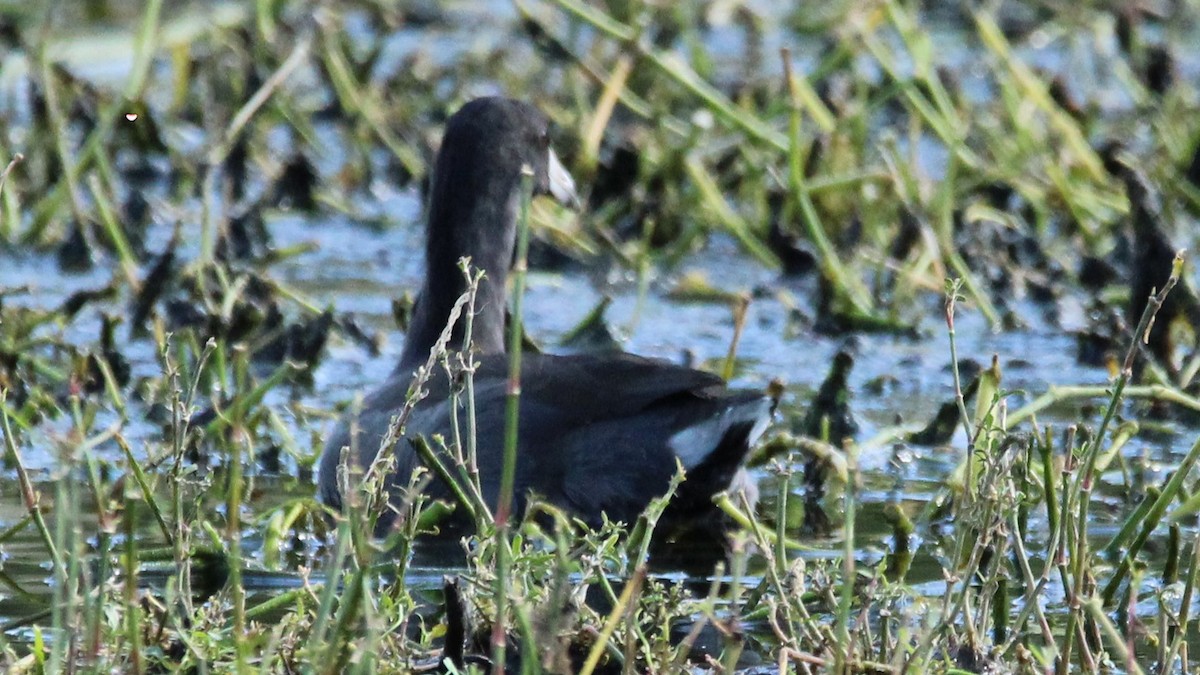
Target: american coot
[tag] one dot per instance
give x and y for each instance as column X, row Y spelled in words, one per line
column 597, row 434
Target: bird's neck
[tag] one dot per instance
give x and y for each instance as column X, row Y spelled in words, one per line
column 481, row 229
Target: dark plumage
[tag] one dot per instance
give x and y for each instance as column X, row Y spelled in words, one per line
column 597, row 434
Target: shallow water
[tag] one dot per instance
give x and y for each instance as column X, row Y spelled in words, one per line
column 363, row 279
column 359, row 269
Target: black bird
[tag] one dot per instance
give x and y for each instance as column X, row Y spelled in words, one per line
column 598, row 434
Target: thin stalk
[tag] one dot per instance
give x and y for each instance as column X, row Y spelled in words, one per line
column 623, row 605
column 1046, row 451
column 1113, row 637
column 226, row 141
column 243, row 403
column 139, row 476
column 9, row 217
column 145, row 44
column 508, row 474
column 831, row 265
column 329, row 595
column 350, row 604
column 1169, row 493
column 469, row 366
column 781, row 503
column 1170, row 575
column 952, row 296
column 1055, row 395
column 103, row 559
column 642, row 262
column 1033, row 591
column 529, row 646
column 950, row 253
column 1179, row 630
column 735, row 513
column 30, row 496
column 116, row 235
column 802, row 92
column 133, row 610
column 1153, row 304
column 1121, row 539
column 733, row 642
column 63, row 618
column 684, row 648
column 1080, row 555
column 294, row 599
column 234, row 533
column 952, row 607
column 1085, row 477
column 739, row 323
column 437, row 466
column 17, row 159
column 845, row 651
column 594, row 132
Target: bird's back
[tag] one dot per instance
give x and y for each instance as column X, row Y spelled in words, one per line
column 597, row 434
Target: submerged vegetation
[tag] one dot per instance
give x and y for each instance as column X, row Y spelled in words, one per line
column 171, row 318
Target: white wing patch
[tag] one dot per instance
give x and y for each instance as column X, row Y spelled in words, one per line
column 695, row 443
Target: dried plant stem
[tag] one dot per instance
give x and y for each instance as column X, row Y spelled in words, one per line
column 624, row 604
column 739, row 323
column 1085, row 477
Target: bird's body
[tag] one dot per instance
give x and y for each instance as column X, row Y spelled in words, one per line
column 598, row 435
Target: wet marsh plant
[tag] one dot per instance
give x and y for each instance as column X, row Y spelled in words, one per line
column 164, row 332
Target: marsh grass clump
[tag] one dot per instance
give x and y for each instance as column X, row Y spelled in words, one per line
column 174, row 337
